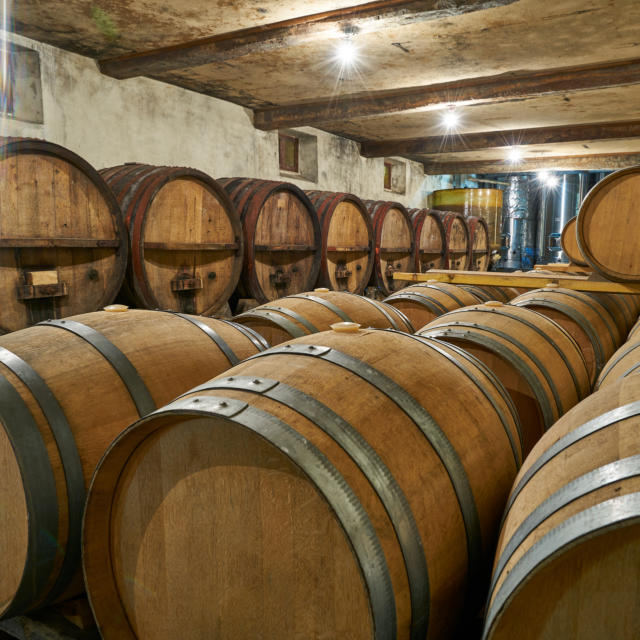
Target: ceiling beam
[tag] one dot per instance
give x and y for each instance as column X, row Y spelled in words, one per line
column 278, row 35
column 454, row 143
column 506, row 87
column 596, row 162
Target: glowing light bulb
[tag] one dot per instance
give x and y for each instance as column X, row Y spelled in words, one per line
column 543, row 176
column 553, row 181
column 514, row 155
column 451, row 119
column 346, row 52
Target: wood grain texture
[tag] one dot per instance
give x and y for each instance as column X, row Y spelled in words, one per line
column 347, row 241
column 182, row 226
column 588, row 322
column 424, row 302
column 535, row 358
column 270, row 536
column 394, row 243
column 70, row 223
column 569, row 243
column 294, row 316
column 606, row 232
column 431, row 241
column 588, row 589
column 282, row 237
column 170, row 355
column 479, row 249
column 458, row 240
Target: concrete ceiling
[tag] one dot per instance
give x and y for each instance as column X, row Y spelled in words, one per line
column 506, row 65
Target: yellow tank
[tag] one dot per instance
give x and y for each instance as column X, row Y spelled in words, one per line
column 473, row 202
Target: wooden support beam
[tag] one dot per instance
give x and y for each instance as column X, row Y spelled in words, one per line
column 448, row 143
column 519, row 279
column 506, row 87
column 601, row 161
column 261, row 39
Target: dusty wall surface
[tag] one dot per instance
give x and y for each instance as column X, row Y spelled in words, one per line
column 110, row 122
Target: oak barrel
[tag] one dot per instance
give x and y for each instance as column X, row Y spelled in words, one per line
column 282, row 237
column 67, row 389
column 479, row 249
column 458, row 240
column 431, row 241
column 394, row 242
column 569, row 243
column 567, row 560
column 624, row 362
column 343, row 485
column 424, row 301
column 487, row 293
column 347, row 241
column 538, row 362
column 185, row 237
column 63, row 245
column 607, row 226
column 304, row 313
column 623, row 307
column 588, row 322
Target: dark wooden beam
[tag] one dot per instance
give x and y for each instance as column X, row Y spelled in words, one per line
column 454, row 143
column 602, row 161
column 507, row 87
column 225, row 46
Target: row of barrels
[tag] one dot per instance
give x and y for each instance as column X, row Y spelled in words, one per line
column 192, row 239
column 281, row 485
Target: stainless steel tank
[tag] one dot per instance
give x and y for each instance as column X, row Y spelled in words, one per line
column 557, row 206
column 517, row 249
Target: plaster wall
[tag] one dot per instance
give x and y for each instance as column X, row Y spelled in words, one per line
column 110, row 122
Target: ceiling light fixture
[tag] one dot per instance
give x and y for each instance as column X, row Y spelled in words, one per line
column 451, row 119
column 514, row 155
column 347, row 51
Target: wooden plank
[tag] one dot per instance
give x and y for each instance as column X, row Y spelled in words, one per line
column 287, row 33
column 597, row 161
column 192, row 246
column 525, row 281
column 66, row 243
column 396, row 250
column 501, row 139
column 506, row 87
column 354, row 248
column 563, row 266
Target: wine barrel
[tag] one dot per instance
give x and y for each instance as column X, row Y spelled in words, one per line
column 424, row 301
column 282, row 237
column 567, row 560
column 394, row 244
column 569, row 243
column 185, row 237
column 304, row 313
column 458, row 241
column 486, row 293
column 479, row 250
column 624, row 362
column 606, row 227
column 68, row 388
column 347, row 241
column 485, row 203
column 431, row 241
column 358, row 478
column 621, row 306
column 588, row 322
column 63, row 244
column 538, row 362
column 635, row 331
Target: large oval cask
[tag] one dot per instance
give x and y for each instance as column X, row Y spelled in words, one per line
column 588, row 322
column 424, row 301
column 347, row 241
column 394, row 244
column 185, row 235
column 63, row 244
column 458, row 240
column 282, row 237
column 356, row 477
column 607, row 231
column 479, row 249
column 304, row 313
column 68, row 388
column 538, row 362
column 567, row 559
column 569, row 243
column 431, row 241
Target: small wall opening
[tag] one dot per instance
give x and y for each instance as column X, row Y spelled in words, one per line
column 298, row 155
